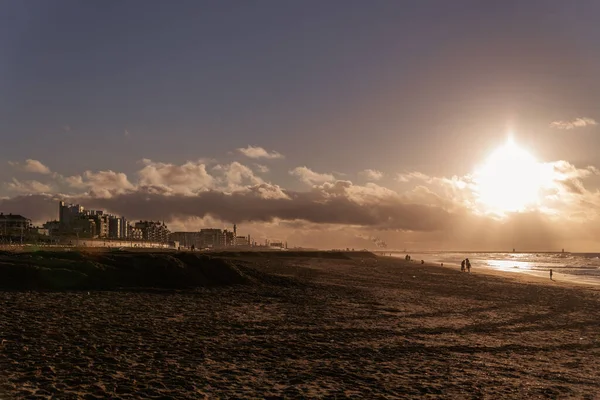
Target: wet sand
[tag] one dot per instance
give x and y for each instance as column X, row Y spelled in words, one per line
column 532, row 276
column 308, row 327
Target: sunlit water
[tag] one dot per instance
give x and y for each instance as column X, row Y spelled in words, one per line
column 583, row 267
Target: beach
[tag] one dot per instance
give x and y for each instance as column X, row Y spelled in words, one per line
column 306, row 326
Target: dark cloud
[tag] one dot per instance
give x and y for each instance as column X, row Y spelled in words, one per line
column 340, row 214
column 36, row 207
column 333, row 204
column 251, row 206
column 314, row 219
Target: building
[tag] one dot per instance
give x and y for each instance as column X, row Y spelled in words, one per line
column 53, row 228
column 124, row 227
column 73, row 219
column 242, row 241
column 114, row 227
column 102, row 225
column 229, row 238
column 84, row 227
column 100, row 222
column 14, row 226
column 67, row 213
column 153, row 231
column 135, row 233
column 211, row 238
column 185, row 239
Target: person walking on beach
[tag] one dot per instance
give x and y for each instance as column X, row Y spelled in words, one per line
column 462, row 266
column 550, row 273
column 468, row 263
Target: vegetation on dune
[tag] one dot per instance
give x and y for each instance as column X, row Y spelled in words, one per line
column 81, row 271
column 76, row 270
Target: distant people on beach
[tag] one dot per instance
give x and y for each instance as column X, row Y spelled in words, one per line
column 465, row 265
column 407, row 258
column 550, row 273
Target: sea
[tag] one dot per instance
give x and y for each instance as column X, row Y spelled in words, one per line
column 576, row 267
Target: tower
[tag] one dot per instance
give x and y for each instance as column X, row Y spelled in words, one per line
column 234, row 230
column 61, row 212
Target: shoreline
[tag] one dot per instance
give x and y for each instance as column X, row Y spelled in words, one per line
column 541, row 277
column 538, row 276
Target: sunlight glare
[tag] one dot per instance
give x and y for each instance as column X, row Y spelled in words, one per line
column 510, row 180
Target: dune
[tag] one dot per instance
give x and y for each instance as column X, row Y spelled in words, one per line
column 112, row 270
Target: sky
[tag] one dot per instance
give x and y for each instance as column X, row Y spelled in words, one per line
column 326, row 124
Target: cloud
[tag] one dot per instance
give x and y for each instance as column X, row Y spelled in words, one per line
column 101, row 183
column 28, row 187
column 309, row 176
column 33, row 166
column 235, row 176
column 259, row 152
column 580, row 122
column 371, row 174
column 188, row 178
column 410, row 176
column 333, row 203
column 563, row 170
column 261, row 168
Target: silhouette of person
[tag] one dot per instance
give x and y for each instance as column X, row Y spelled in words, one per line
column 550, row 273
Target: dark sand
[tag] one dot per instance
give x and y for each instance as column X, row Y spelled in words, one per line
column 345, row 328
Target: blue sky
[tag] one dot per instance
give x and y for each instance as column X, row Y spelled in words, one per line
column 337, row 86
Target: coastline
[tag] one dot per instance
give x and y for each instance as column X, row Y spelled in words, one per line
column 521, row 274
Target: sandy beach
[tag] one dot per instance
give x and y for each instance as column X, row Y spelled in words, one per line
column 308, row 326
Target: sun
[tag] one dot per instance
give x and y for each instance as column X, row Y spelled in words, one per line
column 510, row 180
